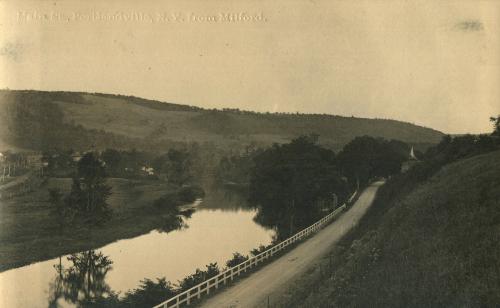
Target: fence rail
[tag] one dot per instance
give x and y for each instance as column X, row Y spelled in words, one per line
column 205, row 287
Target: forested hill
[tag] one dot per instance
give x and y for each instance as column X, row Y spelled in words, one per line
column 41, row 120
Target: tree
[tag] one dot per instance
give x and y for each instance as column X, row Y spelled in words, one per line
column 112, row 158
column 89, row 192
column 176, row 165
column 179, row 167
column 288, row 180
column 58, row 162
column 366, row 157
column 236, row 168
column 84, row 282
column 496, row 125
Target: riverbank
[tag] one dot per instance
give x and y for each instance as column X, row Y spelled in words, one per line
column 29, row 231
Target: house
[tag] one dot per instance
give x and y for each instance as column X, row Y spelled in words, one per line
column 148, row 170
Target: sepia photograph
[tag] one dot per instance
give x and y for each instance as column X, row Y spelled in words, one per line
column 249, row 153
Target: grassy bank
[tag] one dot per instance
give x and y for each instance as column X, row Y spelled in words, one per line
column 29, row 230
column 424, row 243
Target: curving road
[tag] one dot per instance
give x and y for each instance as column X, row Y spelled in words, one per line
column 253, row 290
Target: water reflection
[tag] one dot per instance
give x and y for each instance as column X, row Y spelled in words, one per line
column 219, row 225
column 226, row 199
column 287, row 218
column 175, row 220
column 83, row 282
column 278, row 216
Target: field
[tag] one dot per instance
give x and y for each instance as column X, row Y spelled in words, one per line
column 44, row 120
column 120, row 116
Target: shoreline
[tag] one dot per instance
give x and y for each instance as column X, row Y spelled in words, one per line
column 25, row 240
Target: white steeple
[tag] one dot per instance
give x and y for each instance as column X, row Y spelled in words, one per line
column 412, row 155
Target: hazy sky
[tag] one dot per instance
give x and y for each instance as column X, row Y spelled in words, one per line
column 433, row 63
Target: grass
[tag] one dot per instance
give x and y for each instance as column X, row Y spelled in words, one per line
column 29, row 232
column 435, row 244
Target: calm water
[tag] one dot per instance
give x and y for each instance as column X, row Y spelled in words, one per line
column 220, row 226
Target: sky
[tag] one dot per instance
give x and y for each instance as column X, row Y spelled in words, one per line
column 431, row 63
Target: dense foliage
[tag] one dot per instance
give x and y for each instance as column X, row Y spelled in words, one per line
column 366, row 158
column 291, row 183
column 177, row 165
column 235, row 168
column 288, row 180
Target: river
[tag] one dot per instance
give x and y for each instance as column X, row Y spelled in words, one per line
column 220, row 225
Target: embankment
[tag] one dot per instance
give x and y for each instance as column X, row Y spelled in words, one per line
column 430, row 243
column 29, row 230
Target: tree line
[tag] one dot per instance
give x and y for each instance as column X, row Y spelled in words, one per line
column 290, row 183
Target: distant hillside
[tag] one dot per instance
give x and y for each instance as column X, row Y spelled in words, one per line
column 37, row 119
column 430, row 244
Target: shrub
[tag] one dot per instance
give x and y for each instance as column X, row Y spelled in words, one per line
column 199, row 276
column 237, row 259
column 148, row 293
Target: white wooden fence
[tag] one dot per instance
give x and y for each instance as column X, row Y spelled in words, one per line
column 205, row 287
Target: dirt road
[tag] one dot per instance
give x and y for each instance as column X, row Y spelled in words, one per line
column 253, row 290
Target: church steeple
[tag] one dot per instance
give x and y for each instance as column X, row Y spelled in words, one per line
column 412, row 155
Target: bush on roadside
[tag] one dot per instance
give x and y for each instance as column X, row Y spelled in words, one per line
column 199, row 276
column 237, row 259
column 148, row 293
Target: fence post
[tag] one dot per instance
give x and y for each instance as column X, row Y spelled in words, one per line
column 253, row 261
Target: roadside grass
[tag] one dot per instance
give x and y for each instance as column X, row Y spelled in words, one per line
column 422, row 244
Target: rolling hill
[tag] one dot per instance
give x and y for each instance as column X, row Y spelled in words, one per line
column 40, row 120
